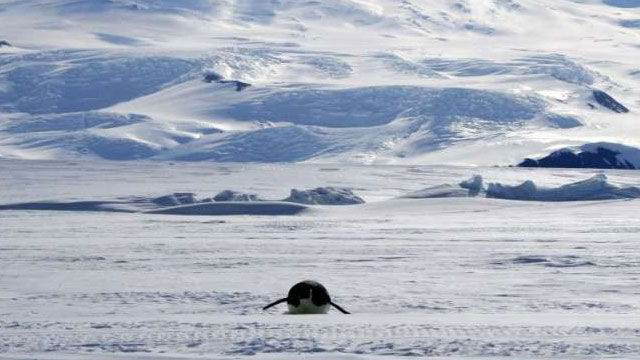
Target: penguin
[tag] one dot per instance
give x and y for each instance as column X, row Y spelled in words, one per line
column 308, row 297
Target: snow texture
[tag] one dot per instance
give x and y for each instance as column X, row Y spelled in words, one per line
column 359, row 81
column 595, row 188
column 230, row 195
column 452, row 278
column 324, row 196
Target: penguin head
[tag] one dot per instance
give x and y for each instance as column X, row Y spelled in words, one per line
column 308, row 297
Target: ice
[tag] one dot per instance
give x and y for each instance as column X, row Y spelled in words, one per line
column 175, row 199
column 474, row 185
column 230, row 195
column 234, row 208
column 101, row 206
column 467, row 188
column 556, row 66
column 372, row 106
column 324, row 196
column 595, row 188
column 553, row 261
column 64, row 81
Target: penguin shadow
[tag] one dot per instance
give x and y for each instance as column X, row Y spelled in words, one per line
column 307, row 297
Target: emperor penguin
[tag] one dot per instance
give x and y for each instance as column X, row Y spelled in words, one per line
column 307, row 297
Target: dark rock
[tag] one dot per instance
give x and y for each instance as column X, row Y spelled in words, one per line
column 239, row 84
column 607, row 101
column 603, row 158
column 210, row 77
column 4, row 43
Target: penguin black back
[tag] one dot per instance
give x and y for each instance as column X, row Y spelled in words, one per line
column 308, row 297
column 308, row 289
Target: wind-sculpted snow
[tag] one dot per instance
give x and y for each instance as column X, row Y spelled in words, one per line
column 384, row 81
column 355, row 123
column 324, row 196
column 371, row 106
column 622, row 3
column 81, row 7
column 566, row 261
column 595, row 188
column 224, row 203
column 69, row 122
column 635, row 23
column 156, row 206
column 230, row 195
column 556, row 66
column 70, row 81
column 275, row 144
column 234, row 208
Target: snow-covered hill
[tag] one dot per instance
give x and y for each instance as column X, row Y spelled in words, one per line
column 371, row 81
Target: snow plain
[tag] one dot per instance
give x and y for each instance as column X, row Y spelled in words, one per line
column 450, row 277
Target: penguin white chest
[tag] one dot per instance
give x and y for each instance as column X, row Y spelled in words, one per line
column 308, row 307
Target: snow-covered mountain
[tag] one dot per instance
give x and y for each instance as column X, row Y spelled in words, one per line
column 372, row 81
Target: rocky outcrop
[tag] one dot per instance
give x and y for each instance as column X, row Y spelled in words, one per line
column 602, row 158
column 212, row 77
column 609, row 102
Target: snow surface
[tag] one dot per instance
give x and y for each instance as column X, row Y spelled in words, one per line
column 325, row 196
column 470, row 278
column 594, row 188
column 230, row 195
column 363, row 81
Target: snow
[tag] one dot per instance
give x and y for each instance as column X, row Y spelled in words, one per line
column 469, row 277
column 230, row 195
column 594, row 188
column 325, row 196
column 386, row 82
column 119, row 119
column 234, row 208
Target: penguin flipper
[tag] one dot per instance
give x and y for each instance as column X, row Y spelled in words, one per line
column 274, row 303
column 339, row 308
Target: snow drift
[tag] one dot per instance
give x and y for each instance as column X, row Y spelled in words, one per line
column 324, row 196
column 595, row 188
column 230, row 195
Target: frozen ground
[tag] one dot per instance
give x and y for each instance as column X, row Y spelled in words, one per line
column 450, row 277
